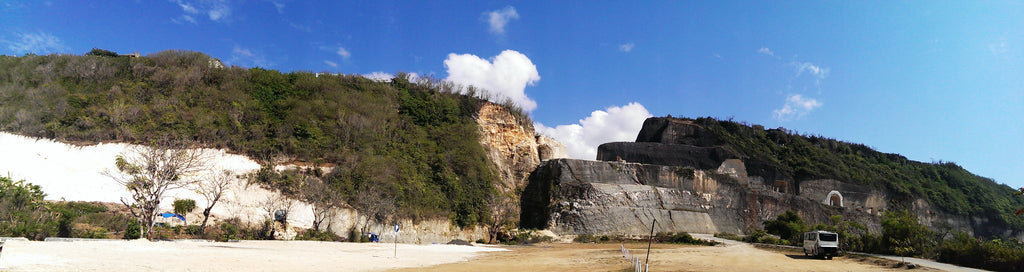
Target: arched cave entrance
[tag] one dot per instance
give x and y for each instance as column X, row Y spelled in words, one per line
column 834, row 198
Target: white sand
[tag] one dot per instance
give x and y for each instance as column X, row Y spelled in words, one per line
column 141, row 255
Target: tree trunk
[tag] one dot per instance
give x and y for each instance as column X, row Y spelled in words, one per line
column 206, row 216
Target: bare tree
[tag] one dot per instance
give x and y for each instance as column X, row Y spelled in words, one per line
column 149, row 172
column 377, row 205
column 212, row 189
column 277, row 202
column 323, row 200
column 503, row 214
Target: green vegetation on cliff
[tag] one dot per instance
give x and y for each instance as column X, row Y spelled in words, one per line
column 414, row 144
column 943, row 184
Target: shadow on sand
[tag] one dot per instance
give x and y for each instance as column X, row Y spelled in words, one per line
column 803, row 257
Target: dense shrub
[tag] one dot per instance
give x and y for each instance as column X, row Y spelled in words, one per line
column 316, row 235
column 133, row 231
column 681, row 238
column 23, row 212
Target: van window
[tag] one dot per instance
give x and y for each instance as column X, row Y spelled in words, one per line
column 828, row 237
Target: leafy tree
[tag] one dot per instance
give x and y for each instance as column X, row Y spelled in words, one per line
column 902, row 233
column 23, row 211
column 504, row 208
column 787, row 226
column 101, row 53
column 184, row 206
column 148, row 173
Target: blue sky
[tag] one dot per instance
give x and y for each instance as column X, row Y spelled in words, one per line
column 931, row 80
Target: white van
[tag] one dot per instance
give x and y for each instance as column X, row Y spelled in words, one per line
column 821, row 244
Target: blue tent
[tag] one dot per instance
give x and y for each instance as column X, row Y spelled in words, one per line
column 168, row 215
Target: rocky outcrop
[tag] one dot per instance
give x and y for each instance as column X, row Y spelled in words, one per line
column 592, row 197
column 548, row 148
column 512, row 147
column 675, row 132
column 572, row 197
column 679, row 175
column 665, row 154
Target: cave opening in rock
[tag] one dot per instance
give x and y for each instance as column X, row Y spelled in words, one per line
column 834, row 198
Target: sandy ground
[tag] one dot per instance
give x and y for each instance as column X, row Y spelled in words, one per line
column 141, row 255
column 664, row 257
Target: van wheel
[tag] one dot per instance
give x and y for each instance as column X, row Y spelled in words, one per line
column 828, row 257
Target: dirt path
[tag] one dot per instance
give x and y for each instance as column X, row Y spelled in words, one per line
column 664, row 257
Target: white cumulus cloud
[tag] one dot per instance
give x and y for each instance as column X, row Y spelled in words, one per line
column 499, row 18
column 36, row 43
column 504, row 76
column 379, row 76
column 387, row 77
column 614, row 124
column 796, row 106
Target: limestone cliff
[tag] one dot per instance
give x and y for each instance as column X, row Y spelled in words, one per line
column 513, row 146
column 689, row 178
column 575, row 197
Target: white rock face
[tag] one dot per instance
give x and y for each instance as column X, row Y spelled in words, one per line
column 74, row 173
column 551, row 149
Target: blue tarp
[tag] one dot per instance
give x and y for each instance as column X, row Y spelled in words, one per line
column 169, row 215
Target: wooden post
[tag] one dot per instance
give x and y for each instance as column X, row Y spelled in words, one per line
column 648, row 259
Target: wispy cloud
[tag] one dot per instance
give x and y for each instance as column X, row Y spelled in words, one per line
column 343, row 52
column 766, row 51
column 613, row 124
column 499, row 18
column 300, row 27
column 796, row 107
column 626, row 47
column 216, row 10
column 331, row 63
column 810, row 68
column 279, row 4
column 998, row 48
column 248, row 58
column 36, row 43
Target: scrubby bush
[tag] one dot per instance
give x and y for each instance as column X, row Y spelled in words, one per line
column 521, row 237
column 730, row 236
column 681, row 238
column 101, row 53
column 133, row 231
column 184, row 206
column 763, row 237
column 316, row 235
